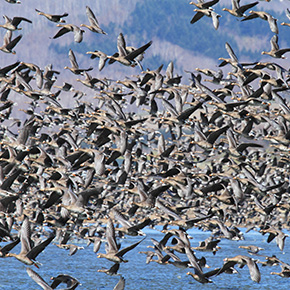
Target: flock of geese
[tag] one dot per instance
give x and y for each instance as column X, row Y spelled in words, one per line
column 212, row 157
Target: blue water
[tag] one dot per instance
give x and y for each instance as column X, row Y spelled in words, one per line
column 139, row 275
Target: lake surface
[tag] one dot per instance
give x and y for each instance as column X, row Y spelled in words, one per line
column 139, row 275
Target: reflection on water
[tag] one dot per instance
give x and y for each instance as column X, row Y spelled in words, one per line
column 139, row 275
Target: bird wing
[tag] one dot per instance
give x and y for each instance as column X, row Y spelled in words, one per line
column 186, row 113
column 288, row 13
column 72, row 59
column 231, row 52
column 138, row 51
column 61, row 32
column 281, row 51
column 215, row 19
column 17, row 20
column 38, row 279
column 274, row 43
column 120, row 285
column 273, row 24
column 83, row 197
column 244, row 8
column 122, row 252
column 25, row 234
column 157, row 191
column 213, row 136
column 254, row 270
column 78, row 34
column 111, row 238
column 121, row 218
column 6, row 249
column 13, row 43
column 243, row 146
column 280, row 240
column 209, row 3
column 193, row 261
column 196, row 17
column 141, row 225
column 227, row 265
column 91, row 16
column 7, row 19
column 250, row 16
column 34, row 252
column 121, row 45
column 70, row 281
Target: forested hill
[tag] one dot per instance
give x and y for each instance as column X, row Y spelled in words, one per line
column 166, row 22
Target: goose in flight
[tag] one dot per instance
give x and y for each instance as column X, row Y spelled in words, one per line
column 28, row 253
column 237, row 10
column 112, row 250
column 94, row 24
column 126, row 55
column 275, row 51
column 265, row 16
column 209, row 12
column 9, row 43
column 53, row 17
column 78, row 33
column 12, row 24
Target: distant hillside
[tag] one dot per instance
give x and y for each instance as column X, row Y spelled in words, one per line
column 166, row 22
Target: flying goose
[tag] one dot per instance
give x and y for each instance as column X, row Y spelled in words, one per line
column 12, row 24
column 78, row 33
column 53, row 17
column 94, row 24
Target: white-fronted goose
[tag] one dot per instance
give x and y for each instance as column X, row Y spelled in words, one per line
column 112, row 251
column 237, row 10
column 53, row 17
column 8, row 43
column 209, row 12
column 265, row 16
column 94, row 24
column 78, row 33
column 74, row 65
column 123, row 56
column 275, row 51
column 12, row 24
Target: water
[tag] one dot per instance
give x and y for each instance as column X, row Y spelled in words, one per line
column 139, row 275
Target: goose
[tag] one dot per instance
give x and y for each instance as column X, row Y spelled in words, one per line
column 70, row 281
column 198, row 274
column 275, row 51
column 127, row 227
column 8, row 43
column 201, row 4
column 53, row 17
column 12, row 24
column 265, row 16
column 275, row 233
column 102, row 58
column 78, row 33
column 74, row 65
column 113, row 270
column 13, row 1
column 112, row 251
column 29, row 253
column 125, row 57
column 242, row 261
column 237, row 10
column 207, row 12
column 94, row 24
column 252, row 249
column 38, row 279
